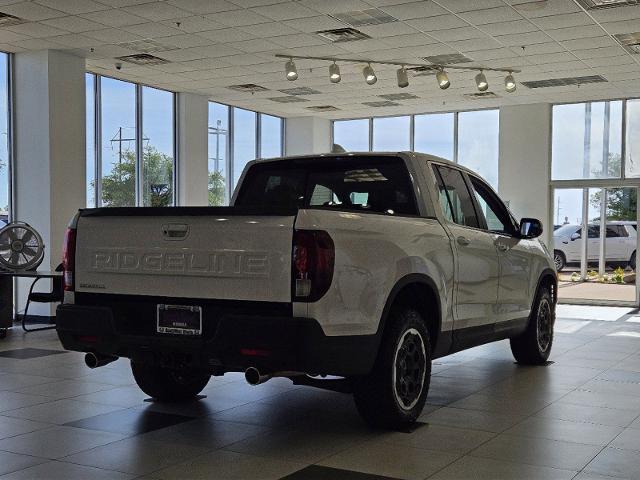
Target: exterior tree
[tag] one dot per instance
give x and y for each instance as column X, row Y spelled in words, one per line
column 622, row 203
column 216, row 189
column 119, row 187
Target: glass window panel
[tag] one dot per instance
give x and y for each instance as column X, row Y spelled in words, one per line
column 270, row 136
column 632, row 161
column 91, row 134
column 157, row 147
column 244, row 141
column 478, row 140
column 587, row 141
column 118, row 105
column 351, row 135
column 4, row 143
column 218, row 138
column 434, row 134
column 452, row 183
column 391, row 134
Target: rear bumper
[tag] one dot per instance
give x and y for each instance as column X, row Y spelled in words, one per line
column 236, row 342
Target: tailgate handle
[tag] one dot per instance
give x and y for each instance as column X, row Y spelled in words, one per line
column 175, row 231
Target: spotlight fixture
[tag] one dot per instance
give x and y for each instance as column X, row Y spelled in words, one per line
column 369, row 75
column 403, row 79
column 292, row 71
column 510, row 83
column 334, row 73
column 443, row 79
column 481, row 82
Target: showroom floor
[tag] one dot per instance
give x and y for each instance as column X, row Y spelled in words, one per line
column 578, row 417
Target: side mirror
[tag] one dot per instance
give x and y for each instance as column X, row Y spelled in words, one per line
column 530, row 228
column 575, row 236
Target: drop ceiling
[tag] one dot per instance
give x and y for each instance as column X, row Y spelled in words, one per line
column 213, row 44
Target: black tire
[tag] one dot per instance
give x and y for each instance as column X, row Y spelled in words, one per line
column 167, row 385
column 3, row 333
column 534, row 345
column 632, row 261
column 559, row 260
column 384, row 399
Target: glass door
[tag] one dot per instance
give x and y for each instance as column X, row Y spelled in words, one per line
column 595, row 241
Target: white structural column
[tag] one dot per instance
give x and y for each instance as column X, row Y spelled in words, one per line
column 193, row 169
column 525, row 161
column 50, row 166
column 307, row 135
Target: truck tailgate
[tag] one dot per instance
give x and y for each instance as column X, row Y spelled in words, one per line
column 214, row 256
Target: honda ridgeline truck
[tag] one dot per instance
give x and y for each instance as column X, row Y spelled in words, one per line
column 349, row 272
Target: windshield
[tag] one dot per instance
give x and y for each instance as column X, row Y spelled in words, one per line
column 565, row 231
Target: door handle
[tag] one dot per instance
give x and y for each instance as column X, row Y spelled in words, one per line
column 502, row 247
column 464, row 241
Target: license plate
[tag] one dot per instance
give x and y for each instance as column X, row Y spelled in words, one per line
column 180, row 319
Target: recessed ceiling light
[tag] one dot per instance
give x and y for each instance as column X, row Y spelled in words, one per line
column 600, row 4
column 288, row 99
column 248, row 87
column 300, row 91
column 448, row 58
column 564, row 82
column 323, row 108
column 381, row 104
column 7, row 20
column 398, row 96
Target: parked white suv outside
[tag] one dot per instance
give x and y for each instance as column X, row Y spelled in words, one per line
column 360, row 266
column 620, row 244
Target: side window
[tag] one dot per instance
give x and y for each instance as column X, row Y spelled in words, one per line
column 614, row 231
column 443, row 198
column 495, row 213
column 594, row 231
column 458, row 196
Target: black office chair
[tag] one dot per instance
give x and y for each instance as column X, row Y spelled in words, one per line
column 54, row 296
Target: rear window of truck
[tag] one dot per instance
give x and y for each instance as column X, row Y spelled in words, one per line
column 366, row 184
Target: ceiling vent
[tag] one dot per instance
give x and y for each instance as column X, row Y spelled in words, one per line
column 143, row 59
column 300, row 91
column 338, row 35
column 601, row 4
column 448, row 58
column 422, row 71
column 564, row 82
column 7, row 20
column 248, row 87
column 398, row 96
column 323, row 108
column 480, row 95
column 363, row 18
column 288, row 99
column 630, row 41
column 146, row 46
column 381, row 104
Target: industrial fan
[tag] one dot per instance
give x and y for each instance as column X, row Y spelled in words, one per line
column 21, row 247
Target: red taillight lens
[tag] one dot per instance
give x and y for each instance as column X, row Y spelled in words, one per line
column 313, row 262
column 69, row 259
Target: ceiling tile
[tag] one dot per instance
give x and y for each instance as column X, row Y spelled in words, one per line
column 270, row 29
column 284, row 11
column 388, row 30
column 112, row 35
column 73, row 6
column 204, row 7
column 157, row 11
column 238, row 18
column 440, row 22
column 591, row 42
column 523, row 39
column 75, row 40
column 73, row 24
column 31, row 11
column 298, row 40
column 193, row 24
column 257, row 45
column 114, row 18
column 407, row 11
column 506, row 28
column 7, row 36
column 225, row 35
column 467, row 6
column 314, row 24
column 37, row 30
column 626, row 26
column 563, row 21
column 491, row 15
column 456, row 34
column 572, row 33
column 152, row 30
column 549, row 7
column 414, row 40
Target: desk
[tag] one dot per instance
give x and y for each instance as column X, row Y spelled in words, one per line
column 6, row 293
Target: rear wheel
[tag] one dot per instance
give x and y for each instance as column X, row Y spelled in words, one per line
column 559, row 260
column 395, row 391
column 534, row 345
column 168, row 385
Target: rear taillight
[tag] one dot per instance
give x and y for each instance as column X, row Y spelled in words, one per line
column 313, row 261
column 69, row 259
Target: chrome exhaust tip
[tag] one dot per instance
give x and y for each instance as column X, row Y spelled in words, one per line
column 253, row 376
column 93, row 360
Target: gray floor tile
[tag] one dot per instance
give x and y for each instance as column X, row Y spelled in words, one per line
column 136, row 455
column 65, row 471
column 10, row 427
column 586, row 413
column 539, row 451
column 65, row 389
column 474, row 419
column 11, row 400
column 440, row 438
column 616, row 463
column 474, row 468
column 125, row 397
column 627, row 440
column 61, row 411
column 11, row 462
column 57, row 442
column 397, row 461
column 563, row 430
column 225, row 465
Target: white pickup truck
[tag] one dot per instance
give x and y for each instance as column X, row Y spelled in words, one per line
column 350, row 272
